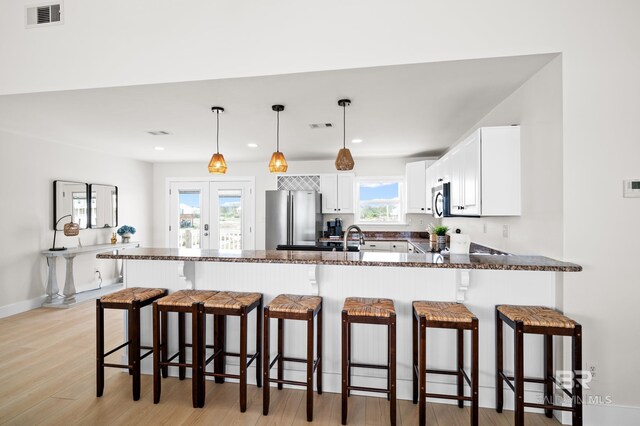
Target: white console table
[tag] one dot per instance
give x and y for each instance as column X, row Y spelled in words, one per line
column 69, row 291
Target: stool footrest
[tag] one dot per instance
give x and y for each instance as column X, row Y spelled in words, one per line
column 227, row 375
column 361, row 365
column 445, row 372
column 548, row 406
column 530, row 379
column 288, row 382
column 117, row 365
column 143, row 356
column 117, row 348
column 367, row 389
column 447, row 396
column 289, row 359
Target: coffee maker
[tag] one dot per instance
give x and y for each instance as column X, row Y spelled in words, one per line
column 334, row 227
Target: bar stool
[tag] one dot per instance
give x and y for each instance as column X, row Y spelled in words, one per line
column 547, row 322
column 182, row 302
column 368, row 311
column 448, row 315
column 237, row 304
column 293, row 307
column 132, row 299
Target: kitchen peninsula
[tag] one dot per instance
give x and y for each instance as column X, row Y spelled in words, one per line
column 480, row 280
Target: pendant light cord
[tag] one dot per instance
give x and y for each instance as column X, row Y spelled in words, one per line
column 344, row 125
column 278, row 131
column 217, row 132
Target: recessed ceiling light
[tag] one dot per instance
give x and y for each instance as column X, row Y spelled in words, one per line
column 159, row 148
column 356, row 140
column 252, row 145
column 158, row 132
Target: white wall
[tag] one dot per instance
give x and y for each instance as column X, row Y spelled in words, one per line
column 147, row 42
column 267, row 181
column 537, row 107
column 28, row 168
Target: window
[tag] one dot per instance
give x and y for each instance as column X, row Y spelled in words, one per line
column 379, row 200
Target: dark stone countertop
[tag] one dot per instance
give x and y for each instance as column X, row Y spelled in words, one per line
column 380, row 259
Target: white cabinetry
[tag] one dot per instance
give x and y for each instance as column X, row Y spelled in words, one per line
column 337, row 192
column 483, row 173
column 388, row 246
column 416, row 184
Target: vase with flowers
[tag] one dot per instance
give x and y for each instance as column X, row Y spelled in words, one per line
column 126, row 232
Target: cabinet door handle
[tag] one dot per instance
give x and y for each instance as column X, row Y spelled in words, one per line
column 422, row 208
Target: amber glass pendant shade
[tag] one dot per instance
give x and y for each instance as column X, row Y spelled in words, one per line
column 217, row 164
column 344, row 160
column 278, row 163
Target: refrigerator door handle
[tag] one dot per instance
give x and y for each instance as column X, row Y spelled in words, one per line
column 291, row 220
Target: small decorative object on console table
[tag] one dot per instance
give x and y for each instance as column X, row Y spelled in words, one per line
column 114, row 239
column 126, row 232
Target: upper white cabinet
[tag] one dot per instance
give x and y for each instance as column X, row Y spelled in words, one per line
column 337, row 192
column 483, row 173
column 416, row 184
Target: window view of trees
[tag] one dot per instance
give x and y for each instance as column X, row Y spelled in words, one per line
column 379, row 201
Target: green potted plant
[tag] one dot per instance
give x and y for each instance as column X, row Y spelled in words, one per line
column 441, row 232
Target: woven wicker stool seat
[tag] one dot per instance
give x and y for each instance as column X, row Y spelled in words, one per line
column 221, row 305
column 133, row 294
column 369, row 307
column 132, row 300
column 186, row 298
column 443, row 311
column 548, row 323
column 295, row 303
column 232, row 300
column 364, row 310
column 539, row 316
column 287, row 307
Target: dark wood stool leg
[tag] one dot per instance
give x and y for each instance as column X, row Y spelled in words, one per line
column 345, row 361
column 164, row 342
column 243, row 361
column 422, row 373
column 518, row 374
column 499, row 363
column 258, row 361
column 392, row 368
column 280, row 351
column 195, row 355
column 182, row 357
column 202, row 350
column 576, row 367
column 475, row 354
column 460, row 350
column 319, row 352
column 134, row 347
column 219, row 344
column 156, row 351
column 266, row 359
column 349, row 325
column 548, row 373
column 129, row 337
column 310, row 367
column 99, row 348
column 414, row 364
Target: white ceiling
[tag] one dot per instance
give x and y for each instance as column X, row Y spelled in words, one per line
column 398, row 111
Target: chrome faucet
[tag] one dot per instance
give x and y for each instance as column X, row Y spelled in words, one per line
column 346, row 236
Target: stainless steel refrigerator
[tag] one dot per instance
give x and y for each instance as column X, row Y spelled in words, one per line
column 293, row 218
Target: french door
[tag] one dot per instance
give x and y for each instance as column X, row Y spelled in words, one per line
column 211, row 215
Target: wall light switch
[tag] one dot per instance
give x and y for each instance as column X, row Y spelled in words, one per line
column 631, row 188
column 505, row 231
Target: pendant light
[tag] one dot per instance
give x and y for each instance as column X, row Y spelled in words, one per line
column 278, row 163
column 344, row 160
column 217, row 164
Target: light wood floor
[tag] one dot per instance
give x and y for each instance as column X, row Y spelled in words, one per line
column 47, row 376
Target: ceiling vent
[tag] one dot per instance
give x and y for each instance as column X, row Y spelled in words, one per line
column 158, row 132
column 320, row 125
column 45, row 14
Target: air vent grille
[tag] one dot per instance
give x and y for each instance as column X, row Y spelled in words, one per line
column 43, row 15
column 320, row 125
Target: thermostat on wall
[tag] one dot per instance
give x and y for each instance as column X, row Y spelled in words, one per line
column 631, row 188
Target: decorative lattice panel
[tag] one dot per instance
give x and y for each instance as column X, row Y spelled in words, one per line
column 299, row 183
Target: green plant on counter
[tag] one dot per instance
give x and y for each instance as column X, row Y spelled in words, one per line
column 440, row 230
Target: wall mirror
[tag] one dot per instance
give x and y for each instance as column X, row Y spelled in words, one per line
column 70, row 198
column 104, row 206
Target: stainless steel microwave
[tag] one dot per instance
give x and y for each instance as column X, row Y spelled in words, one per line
column 441, row 200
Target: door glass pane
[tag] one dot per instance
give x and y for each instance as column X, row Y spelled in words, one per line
column 230, row 219
column 189, row 232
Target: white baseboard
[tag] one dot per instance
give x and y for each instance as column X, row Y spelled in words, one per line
column 608, row 414
column 22, row 306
